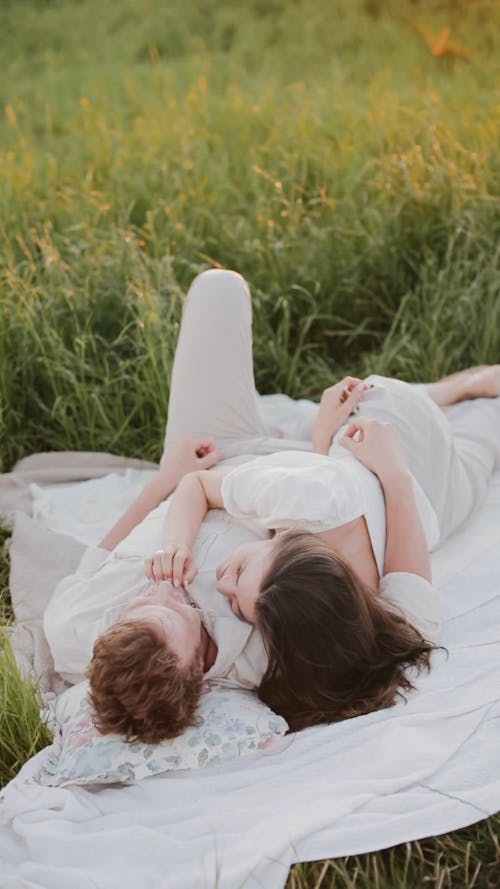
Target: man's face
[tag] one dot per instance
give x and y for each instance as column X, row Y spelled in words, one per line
column 167, row 611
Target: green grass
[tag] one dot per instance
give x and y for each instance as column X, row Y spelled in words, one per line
column 462, row 860
column 22, row 733
column 316, row 146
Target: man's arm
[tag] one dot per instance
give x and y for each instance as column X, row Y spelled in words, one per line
column 149, row 498
column 186, row 455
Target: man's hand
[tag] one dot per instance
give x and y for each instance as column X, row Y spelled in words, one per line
column 174, row 563
column 376, row 445
column 187, row 455
column 337, row 402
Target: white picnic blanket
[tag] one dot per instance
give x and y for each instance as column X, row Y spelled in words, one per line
column 418, row 769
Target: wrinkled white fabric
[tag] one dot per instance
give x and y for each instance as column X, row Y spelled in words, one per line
column 417, row 599
column 418, row 769
column 87, row 521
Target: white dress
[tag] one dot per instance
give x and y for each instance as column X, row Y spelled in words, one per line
column 312, row 492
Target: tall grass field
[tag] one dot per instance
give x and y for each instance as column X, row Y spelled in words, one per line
column 342, row 154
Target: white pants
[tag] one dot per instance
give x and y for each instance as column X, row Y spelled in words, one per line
column 212, row 390
column 451, row 452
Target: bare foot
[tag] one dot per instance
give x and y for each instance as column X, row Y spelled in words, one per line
column 474, row 382
column 484, row 383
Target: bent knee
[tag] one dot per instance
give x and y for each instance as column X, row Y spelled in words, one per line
column 220, row 281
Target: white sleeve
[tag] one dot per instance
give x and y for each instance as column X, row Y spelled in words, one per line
column 418, row 599
column 292, row 489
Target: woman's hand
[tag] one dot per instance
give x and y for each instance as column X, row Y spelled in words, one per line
column 187, row 455
column 376, row 445
column 337, row 402
column 174, row 562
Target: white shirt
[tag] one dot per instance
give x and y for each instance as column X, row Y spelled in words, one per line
column 85, row 604
column 313, row 492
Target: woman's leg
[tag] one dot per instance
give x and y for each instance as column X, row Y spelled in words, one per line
column 470, row 401
column 475, row 427
column 212, row 388
column 473, row 382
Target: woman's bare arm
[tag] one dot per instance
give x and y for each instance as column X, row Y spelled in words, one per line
column 195, row 495
column 406, row 546
column 376, row 445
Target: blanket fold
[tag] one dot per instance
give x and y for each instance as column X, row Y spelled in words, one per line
column 56, row 467
column 40, row 557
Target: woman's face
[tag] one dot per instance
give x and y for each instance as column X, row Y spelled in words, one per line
column 240, row 577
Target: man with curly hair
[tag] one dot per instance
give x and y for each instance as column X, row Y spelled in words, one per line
column 148, row 647
column 146, row 672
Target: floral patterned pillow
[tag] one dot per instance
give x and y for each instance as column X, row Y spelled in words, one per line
column 233, row 723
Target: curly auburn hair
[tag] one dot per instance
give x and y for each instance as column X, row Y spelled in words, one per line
column 138, row 687
column 336, row 649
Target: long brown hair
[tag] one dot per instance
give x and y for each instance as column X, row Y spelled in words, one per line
column 335, row 648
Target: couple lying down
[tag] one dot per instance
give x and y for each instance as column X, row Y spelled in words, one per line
column 299, row 567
